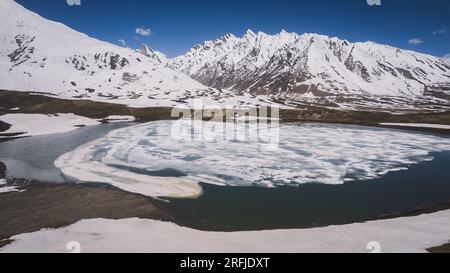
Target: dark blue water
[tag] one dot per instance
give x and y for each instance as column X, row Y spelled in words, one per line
column 254, row 208
column 315, row 205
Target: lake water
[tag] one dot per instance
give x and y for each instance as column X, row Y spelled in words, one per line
column 319, row 174
column 315, row 205
column 33, row 158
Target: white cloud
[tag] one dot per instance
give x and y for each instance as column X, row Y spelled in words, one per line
column 122, row 42
column 143, row 31
column 442, row 31
column 415, row 41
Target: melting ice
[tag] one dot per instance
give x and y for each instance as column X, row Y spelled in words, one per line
column 306, row 153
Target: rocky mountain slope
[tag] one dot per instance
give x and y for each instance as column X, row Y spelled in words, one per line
column 447, row 59
column 313, row 68
column 40, row 55
column 155, row 55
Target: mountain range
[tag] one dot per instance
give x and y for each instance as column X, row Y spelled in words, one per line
column 316, row 68
column 40, row 55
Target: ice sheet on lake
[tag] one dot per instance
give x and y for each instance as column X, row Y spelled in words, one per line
column 330, row 154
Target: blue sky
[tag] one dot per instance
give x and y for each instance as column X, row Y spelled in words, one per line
column 177, row 25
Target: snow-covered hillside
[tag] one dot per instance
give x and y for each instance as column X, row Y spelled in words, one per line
column 447, row 59
column 40, row 55
column 156, row 55
column 318, row 68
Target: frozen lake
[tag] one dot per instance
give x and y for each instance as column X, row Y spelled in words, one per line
column 315, row 175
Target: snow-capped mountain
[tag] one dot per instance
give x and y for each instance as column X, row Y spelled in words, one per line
column 317, row 68
column 156, row 55
column 447, row 59
column 40, row 55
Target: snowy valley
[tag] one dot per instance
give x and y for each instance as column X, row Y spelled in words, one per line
column 39, row 55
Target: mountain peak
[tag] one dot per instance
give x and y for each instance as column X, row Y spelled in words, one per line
column 41, row 55
column 146, row 50
column 156, row 55
column 446, row 59
column 250, row 33
column 313, row 66
column 228, row 36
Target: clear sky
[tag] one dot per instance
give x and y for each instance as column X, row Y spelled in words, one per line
column 174, row 26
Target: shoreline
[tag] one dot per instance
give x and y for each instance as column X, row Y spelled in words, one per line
column 443, row 249
column 34, row 103
column 417, row 211
column 2, row 170
column 45, row 206
column 402, row 235
column 39, row 193
column 148, row 208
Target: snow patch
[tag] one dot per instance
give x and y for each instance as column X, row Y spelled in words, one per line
column 418, row 125
column 117, row 118
column 413, row 235
column 38, row 124
column 4, row 188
